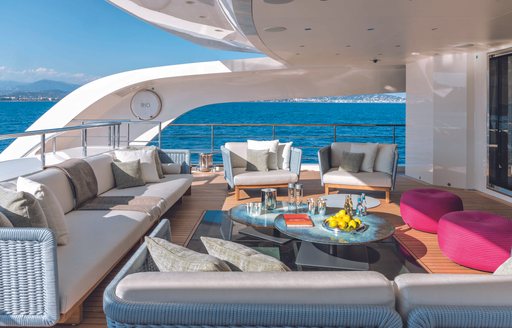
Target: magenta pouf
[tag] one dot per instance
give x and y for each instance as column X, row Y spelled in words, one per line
column 421, row 209
column 478, row 240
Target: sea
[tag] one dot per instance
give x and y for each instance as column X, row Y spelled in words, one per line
column 18, row 116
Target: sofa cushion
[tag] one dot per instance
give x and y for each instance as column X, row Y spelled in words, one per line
column 351, row 162
column 272, row 146
column 22, row 209
column 170, row 257
column 385, row 159
column 4, row 221
column 97, row 240
column 170, row 189
column 369, row 150
column 257, row 160
column 238, row 154
column 375, row 179
column 241, row 256
column 337, row 149
column 101, row 166
column 57, row 181
column 50, row 205
column 418, row 289
column 284, row 153
column 252, row 178
column 127, row 174
column 343, row 288
column 147, row 161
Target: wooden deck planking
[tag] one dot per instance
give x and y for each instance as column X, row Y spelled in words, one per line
column 209, row 192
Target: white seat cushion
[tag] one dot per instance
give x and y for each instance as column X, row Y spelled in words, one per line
column 102, row 167
column 170, row 189
column 374, row 179
column 343, row 288
column 252, row 178
column 97, row 240
column 57, row 182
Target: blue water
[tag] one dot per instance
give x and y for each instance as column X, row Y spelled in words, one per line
column 17, row 116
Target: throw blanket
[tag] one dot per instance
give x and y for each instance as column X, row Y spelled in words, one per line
column 82, row 179
column 146, row 204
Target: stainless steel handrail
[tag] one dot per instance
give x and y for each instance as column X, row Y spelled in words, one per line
column 57, row 131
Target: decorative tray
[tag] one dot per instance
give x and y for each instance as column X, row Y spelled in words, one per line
column 362, row 228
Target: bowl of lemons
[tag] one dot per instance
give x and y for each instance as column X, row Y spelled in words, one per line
column 341, row 221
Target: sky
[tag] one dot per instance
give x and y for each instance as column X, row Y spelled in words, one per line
column 77, row 41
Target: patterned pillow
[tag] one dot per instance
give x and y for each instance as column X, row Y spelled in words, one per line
column 243, row 257
column 169, row 257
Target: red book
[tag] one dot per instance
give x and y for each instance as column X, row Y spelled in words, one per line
column 297, row 220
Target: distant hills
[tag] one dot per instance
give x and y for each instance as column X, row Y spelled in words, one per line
column 39, row 90
column 373, row 98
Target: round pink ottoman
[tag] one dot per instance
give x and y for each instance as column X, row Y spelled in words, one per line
column 421, row 209
column 475, row 239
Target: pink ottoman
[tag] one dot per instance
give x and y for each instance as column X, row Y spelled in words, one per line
column 475, row 239
column 421, row 209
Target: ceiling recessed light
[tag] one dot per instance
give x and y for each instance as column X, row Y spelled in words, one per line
column 415, row 53
column 308, row 29
column 337, row 54
column 190, row 2
column 465, row 45
column 218, row 30
column 298, row 53
column 275, row 29
column 155, row 4
column 397, row 46
column 435, row 28
column 371, row 29
column 348, row 46
column 202, row 16
column 302, row 46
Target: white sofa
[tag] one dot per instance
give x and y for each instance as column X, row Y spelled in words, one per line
column 98, row 240
column 332, row 176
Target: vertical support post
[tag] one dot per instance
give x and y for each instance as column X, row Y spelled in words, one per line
column 128, row 134
column 394, row 133
column 273, row 132
column 54, row 144
column 84, row 142
column 160, row 135
column 118, row 135
column 43, row 150
column 335, row 133
column 110, row 136
column 212, row 138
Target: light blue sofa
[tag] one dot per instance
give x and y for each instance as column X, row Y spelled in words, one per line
column 234, row 158
column 141, row 297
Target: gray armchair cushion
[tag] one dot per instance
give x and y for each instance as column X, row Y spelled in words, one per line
column 351, row 162
column 257, row 160
column 384, row 161
column 375, row 179
column 272, row 177
column 370, row 152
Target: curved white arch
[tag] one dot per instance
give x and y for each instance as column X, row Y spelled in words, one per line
column 185, row 87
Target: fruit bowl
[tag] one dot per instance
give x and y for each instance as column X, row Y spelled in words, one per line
column 342, row 222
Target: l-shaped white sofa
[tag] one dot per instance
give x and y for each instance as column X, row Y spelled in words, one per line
column 41, row 283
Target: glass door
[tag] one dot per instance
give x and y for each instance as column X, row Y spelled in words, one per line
column 500, row 123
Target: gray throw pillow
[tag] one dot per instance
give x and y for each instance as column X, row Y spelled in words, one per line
column 4, row 221
column 127, row 174
column 242, row 257
column 164, row 157
column 257, row 160
column 351, row 162
column 169, row 257
column 22, row 209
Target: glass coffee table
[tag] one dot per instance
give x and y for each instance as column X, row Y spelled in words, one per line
column 263, row 221
column 338, row 242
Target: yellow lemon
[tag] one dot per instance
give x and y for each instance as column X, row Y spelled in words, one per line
column 358, row 220
column 342, row 212
column 346, row 218
column 352, row 224
column 342, row 225
column 333, row 224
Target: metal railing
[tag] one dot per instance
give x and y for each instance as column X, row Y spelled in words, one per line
column 214, row 133
column 114, row 128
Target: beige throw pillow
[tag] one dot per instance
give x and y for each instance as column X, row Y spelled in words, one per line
column 171, row 168
column 385, row 158
column 257, row 160
column 284, row 153
column 147, row 162
column 272, row 147
column 50, row 205
column 243, row 257
column 169, row 257
column 22, row 209
column 369, row 150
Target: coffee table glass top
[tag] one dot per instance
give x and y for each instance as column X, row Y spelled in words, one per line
column 338, row 200
column 266, row 219
column 377, row 229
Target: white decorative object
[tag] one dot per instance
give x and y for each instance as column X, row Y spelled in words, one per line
column 146, row 105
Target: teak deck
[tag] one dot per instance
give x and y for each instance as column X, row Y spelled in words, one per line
column 210, row 193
